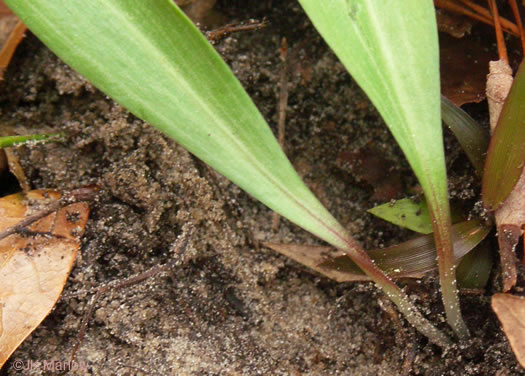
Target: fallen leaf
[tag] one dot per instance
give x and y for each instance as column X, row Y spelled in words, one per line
column 200, row 11
column 510, row 310
column 12, row 32
column 3, row 162
column 499, row 82
column 508, row 238
column 312, row 256
column 16, row 169
column 34, row 263
column 367, row 166
column 453, row 24
column 464, row 67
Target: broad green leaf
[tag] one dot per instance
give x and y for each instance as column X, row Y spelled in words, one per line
column 391, row 50
column 506, row 155
column 149, row 57
column 412, row 214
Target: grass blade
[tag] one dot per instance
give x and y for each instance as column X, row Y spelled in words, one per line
column 391, row 50
column 150, row 58
column 8, row 141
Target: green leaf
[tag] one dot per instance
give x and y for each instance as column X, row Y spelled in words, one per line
column 475, row 267
column 391, row 50
column 506, row 155
column 8, row 141
column 412, row 214
column 473, row 139
column 406, row 212
column 149, row 57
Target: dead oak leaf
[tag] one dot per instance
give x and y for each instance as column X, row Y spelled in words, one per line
column 12, row 31
column 510, row 310
column 34, row 263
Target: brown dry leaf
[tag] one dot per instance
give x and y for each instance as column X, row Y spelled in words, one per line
column 12, row 32
column 3, row 161
column 453, row 24
column 510, row 216
column 508, row 238
column 368, row 165
column 312, row 256
column 463, row 68
column 499, row 82
column 510, row 310
column 200, row 11
column 16, row 169
column 34, row 265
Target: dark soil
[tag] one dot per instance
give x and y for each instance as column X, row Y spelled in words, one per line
column 232, row 307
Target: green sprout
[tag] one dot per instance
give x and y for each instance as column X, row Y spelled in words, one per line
column 8, row 141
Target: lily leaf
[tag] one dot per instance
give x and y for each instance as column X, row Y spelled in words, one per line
column 474, row 269
column 391, row 50
column 412, row 214
column 473, row 139
column 406, row 212
column 149, row 57
column 506, row 155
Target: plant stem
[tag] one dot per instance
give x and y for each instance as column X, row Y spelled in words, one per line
column 447, row 269
column 401, row 300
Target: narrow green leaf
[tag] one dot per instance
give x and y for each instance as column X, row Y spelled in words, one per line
column 406, row 212
column 8, row 141
column 475, row 267
column 473, row 139
column 391, row 49
column 150, row 58
column 506, row 155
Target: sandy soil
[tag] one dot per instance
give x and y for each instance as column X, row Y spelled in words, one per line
column 230, row 306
